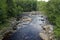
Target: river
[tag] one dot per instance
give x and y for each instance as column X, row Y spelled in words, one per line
column 29, row 27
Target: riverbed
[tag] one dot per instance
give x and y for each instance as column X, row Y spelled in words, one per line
column 29, row 27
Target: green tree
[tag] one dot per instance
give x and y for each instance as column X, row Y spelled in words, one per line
column 53, row 12
column 11, row 7
column 27, row 5
column 3, row 11
column 41, row 5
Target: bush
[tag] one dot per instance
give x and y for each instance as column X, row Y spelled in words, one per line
column 53, row 12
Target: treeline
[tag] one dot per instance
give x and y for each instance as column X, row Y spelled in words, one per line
column 28, row 5
column 53, row 13
column 52, row 10
column 41, row 5
column 12, row 8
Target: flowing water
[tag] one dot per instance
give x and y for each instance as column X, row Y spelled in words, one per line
column 29, row 27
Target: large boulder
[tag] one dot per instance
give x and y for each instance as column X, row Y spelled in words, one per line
column 44, row 36
column 47, row 33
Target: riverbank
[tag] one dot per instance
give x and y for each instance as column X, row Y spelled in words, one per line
column 7, row 28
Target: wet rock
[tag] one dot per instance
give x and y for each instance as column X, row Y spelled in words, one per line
column 7, row 35
column 26, row 19
column 14, row 28
column 14, row 24
column 44, row 36
column 47, row 30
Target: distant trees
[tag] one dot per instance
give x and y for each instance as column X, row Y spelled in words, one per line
column 27, row 5
column 41, row 5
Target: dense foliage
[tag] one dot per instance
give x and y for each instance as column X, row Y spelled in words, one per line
column 41, row 5
column 27, row 5
column 3, row 11
column 53, row 12
column 13, row 8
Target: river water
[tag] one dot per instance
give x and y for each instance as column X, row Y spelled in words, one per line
column 29, row 29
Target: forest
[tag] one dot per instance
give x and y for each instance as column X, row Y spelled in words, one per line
column 12, row 8
column 53, row 13
column 52, row 10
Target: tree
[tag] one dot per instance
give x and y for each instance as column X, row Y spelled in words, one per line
column 11, row 8
column 41, row 5
column 27, row 5
column 53, row 12
column 3, row 11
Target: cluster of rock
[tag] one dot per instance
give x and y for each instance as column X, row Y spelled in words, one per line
column 8, row 31
column 14, row 26
column 47, row 33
